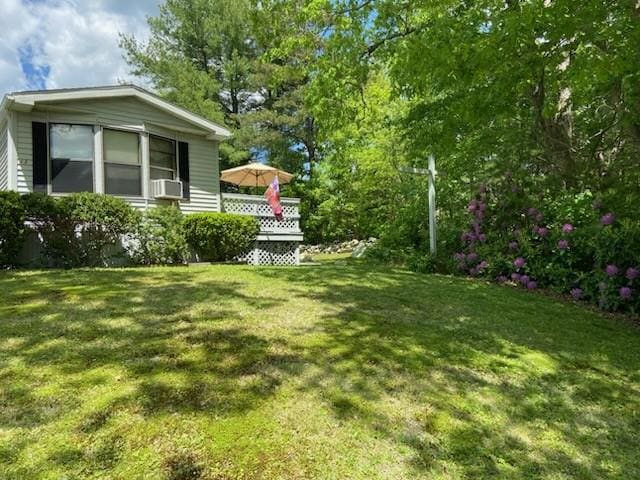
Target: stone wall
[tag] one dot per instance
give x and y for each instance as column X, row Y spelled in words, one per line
column 350, row 246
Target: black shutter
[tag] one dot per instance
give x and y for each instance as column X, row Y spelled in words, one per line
column 183, row 165
column 39, row 143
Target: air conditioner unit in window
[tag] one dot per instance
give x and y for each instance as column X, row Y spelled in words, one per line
column 166, row 189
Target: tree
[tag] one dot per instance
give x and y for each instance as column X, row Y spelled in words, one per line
column 200, row 55
column 229, row 61
column 544, row 87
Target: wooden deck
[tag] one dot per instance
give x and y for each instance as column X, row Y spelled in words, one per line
column 278, row 241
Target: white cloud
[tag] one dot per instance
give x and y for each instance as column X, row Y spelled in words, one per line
column 67, row 43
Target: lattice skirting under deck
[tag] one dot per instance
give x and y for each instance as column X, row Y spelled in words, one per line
column 274, row 253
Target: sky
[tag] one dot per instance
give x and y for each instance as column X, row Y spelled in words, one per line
column 68, row 43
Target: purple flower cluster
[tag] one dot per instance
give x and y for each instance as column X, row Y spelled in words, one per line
column 576, row 293
column 611, row 271
column 471, row 263
column 608, row 219
column 625, row 293
column 542, row 231
column 532, row 236
column 563, row 243
column 632, row 273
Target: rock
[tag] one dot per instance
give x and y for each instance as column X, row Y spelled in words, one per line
column 359, row 251
column 306, row 258
column 348, row 246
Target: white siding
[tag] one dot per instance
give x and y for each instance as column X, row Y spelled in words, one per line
column 204, row 173
column 24, row 149
column 126, row 112
column 130, row 113
column 4, row 157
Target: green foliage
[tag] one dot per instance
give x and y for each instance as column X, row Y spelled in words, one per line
column 343, row 93
column 160, row 237
column 214, row 56
column 562, row 243
column 82, row 229
column 52, row 221
column 422, row 263
column 357, row 191
column 12, row 218
column 220, row 236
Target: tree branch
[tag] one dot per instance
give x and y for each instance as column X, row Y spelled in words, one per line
column 393, row 36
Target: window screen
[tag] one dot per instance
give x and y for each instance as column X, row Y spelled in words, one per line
column 71, row 154
column 122, row 166
column 162, row 157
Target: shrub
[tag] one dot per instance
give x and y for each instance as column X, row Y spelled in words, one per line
column 160, row 237
column 220, row 236
column 11, row 227
column 421, row 262
column 81, row 229
column 571, row 244
column 382, row 252
column 56, row 229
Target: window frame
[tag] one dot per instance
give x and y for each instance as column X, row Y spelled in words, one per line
column 176, row 173
column 105, row 162
column 50, row 158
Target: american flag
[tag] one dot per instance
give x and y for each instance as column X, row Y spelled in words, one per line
column 273, row 198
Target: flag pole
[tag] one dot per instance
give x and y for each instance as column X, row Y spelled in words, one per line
column 431, row 196
column 432, row 205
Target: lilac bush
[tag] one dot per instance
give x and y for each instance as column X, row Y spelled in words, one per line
column 573, row 244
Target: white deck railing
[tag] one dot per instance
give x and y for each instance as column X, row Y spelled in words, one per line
column 258, row 207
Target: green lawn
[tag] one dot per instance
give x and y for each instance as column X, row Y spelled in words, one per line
column 341, row 371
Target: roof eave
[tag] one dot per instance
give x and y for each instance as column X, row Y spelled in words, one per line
column 26, row 101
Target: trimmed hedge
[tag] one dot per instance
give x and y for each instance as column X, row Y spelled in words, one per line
column 218, row 237
column 11, row 227
column 79, row 229
column 160, row 238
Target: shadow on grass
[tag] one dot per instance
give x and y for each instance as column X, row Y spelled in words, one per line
column 487, row 381
column 513, row 383
column 135, row 321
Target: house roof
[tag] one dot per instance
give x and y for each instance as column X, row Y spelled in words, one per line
column 25, row 101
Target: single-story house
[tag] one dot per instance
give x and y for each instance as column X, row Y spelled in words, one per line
column 125, row 141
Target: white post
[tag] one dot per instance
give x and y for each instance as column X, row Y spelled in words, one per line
column 12, row 151
column 146, row 169
column 432, row 204
column 98, row 158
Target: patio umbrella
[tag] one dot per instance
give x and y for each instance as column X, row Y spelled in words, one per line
column 254, row 175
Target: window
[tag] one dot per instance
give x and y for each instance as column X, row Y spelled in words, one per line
column 122, row 167
column 71, row 156
column 162, row 157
